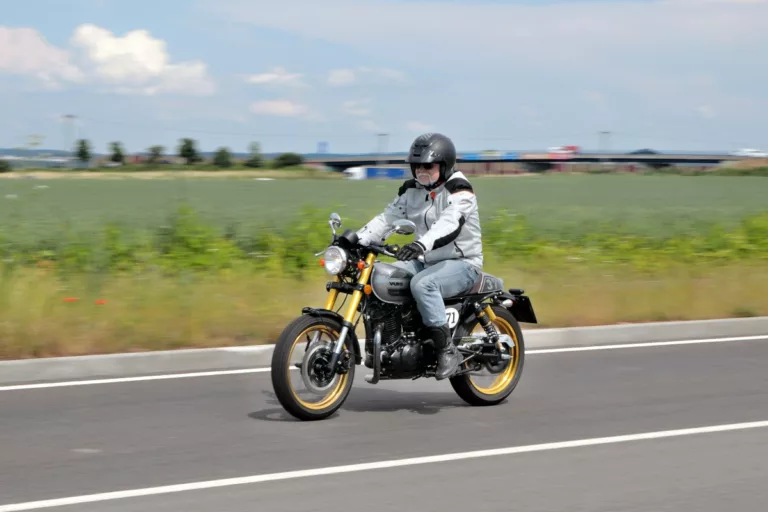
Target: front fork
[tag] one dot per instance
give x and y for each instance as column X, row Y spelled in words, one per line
column 349, row 315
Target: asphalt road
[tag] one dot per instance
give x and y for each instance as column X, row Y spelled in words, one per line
column 74, row 441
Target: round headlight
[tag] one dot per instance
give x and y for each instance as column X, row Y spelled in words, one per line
column 335, row 260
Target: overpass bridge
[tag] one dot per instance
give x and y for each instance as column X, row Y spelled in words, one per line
column 341, row 162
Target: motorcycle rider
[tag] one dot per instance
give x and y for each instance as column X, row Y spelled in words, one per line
column 441, row 202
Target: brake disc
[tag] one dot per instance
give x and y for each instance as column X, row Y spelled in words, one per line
column 318, row 355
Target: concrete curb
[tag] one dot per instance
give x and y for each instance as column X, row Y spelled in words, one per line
column 229, row 358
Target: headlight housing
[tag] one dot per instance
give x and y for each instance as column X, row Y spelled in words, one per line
column 335, row 260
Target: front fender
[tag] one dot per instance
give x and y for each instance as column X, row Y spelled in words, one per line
column 332, row 315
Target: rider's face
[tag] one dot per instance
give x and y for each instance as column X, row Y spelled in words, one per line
column 427, row 174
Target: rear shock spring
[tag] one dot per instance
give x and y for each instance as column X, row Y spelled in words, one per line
column 490, row 330
column 488, row 326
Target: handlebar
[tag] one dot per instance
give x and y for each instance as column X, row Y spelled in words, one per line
column 385, row 249
column 390, row 250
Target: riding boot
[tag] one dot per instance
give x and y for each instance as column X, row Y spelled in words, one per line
column 448, row 357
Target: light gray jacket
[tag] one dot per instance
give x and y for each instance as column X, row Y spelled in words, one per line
column 446, row 218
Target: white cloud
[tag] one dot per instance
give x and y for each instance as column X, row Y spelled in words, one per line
column 705, row 111
column 357, row 107
column 24, row 51
column 361, row 108
column 339, row 77
column 594, row 96
column 419, row 127
column 386, row 74
column 342, row 77
column 554, row 35
column 281, row 108
column 369, row 126
column 135, row 63
column 618, row 51
column 277, row 76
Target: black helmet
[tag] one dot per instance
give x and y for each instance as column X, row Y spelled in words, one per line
column 433, row 148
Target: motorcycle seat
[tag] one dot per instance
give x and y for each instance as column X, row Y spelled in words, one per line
column 485, row 283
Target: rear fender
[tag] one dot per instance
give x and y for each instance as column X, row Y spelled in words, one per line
column 521, row 307
column 332, row 315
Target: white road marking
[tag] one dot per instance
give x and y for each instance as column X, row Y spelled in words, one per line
column 131, row 379
column 91, row 382
column 334, row 470
column 647, row 344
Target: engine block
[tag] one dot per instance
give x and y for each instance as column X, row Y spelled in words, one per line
column 402, row 354
column 402, row 359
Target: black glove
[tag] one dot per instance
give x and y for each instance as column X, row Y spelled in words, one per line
column 410, row 251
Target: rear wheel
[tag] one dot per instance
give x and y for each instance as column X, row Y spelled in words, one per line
column 300, row 354
column 503, row 378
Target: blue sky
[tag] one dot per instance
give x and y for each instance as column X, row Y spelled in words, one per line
column 673, row 74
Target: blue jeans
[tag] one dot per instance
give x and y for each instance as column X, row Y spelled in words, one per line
column 431, row 284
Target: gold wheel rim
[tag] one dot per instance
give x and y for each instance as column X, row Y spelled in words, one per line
column 341, row 382
column 504, row 378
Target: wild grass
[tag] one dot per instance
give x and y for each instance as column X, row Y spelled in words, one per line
column 100, row 266
column 43, row 315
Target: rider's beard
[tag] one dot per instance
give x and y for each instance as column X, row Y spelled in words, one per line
column 425, row 178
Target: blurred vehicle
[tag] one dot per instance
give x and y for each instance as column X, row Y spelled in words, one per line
column 752, row 153
column 566, row 150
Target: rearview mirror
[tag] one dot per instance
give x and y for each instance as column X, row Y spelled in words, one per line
column 404, row 227
column 334, row 222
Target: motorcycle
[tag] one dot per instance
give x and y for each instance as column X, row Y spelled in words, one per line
column 395, row 344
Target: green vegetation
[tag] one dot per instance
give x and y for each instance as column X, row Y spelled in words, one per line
column 561, row 208
column 93, row 266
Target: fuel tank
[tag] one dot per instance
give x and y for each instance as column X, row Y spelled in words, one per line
column 391, row 284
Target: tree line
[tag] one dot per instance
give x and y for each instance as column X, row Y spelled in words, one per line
column 187, row 149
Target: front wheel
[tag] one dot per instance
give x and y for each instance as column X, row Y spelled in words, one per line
column 503, row 380
column 325, row 391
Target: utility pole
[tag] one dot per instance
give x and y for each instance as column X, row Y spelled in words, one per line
column 68, row 126
column 604, row 142
column 382, row 147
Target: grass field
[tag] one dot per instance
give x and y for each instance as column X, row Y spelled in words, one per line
column 560, row 206
column 592, row 249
